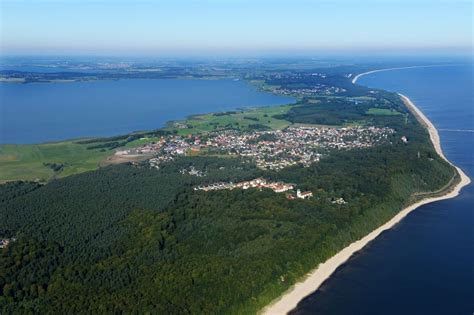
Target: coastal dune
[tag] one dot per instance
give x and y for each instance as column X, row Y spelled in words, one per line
column 289, row 300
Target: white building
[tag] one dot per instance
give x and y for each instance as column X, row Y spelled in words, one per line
column 304, row 194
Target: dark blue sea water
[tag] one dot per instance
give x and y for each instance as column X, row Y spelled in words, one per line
column 425, row 264
column 32, row 113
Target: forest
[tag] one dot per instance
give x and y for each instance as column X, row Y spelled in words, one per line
column 342, row 110
column 132, row 239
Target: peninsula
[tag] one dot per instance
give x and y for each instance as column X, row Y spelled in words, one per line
column 223, row 157
column 316, row 277
column 221, row 212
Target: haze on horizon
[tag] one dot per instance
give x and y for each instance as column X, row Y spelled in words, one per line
column 166, row 27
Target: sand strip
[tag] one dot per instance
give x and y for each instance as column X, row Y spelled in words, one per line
column 315, row 278
column 354, row 80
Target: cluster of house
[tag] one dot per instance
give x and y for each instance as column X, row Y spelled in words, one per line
column 5, row 241
column 172, row 147
column 179, row 125
column 278, row 149
column 273, row 150
column 254, row 183
column 278, row 187
column 289, row 74
column 339, row 201
column 300, row 195
column 192, row 171
column 319, row 88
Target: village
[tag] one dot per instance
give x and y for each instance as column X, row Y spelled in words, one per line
column 278, row 187
column 317, row 89
column 277, row 149
column 271, row 150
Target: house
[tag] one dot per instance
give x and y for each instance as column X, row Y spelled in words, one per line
column 196, row 148
column 4, row 242
column 279, row 188
column 304, row 194
column 339, row 201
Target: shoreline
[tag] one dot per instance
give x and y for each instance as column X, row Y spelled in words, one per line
column 354, row 80
column 315, row 278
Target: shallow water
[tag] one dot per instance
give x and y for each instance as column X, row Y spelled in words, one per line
column 39, row 112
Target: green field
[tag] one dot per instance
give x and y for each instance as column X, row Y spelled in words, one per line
column 382, row 112
column 25, row 161
column 237, row 119
column 141, row 141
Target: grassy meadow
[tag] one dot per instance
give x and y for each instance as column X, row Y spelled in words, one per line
column 243, row 120
column 27, row 161
column 383, row 112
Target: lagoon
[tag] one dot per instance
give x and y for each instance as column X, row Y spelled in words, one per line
column 41, row 112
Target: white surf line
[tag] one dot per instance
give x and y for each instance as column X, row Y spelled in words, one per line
column 314, row 279
column 354, row 80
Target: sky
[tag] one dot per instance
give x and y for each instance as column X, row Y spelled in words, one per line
column 167, row 27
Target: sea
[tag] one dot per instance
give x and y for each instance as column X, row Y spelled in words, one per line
column 425, row 264
column 43, row 112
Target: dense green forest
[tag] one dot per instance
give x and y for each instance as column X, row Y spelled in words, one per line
column 343, row 110
column 129, row 238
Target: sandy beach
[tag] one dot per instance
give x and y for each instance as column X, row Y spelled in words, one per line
column 354, row 80
column 315, row 278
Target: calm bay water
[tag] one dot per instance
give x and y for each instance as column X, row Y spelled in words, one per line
column 425, row 264
column 32, row 113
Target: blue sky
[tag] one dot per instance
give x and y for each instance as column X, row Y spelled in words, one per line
column 233, row 26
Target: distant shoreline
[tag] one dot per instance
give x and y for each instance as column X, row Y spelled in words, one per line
column 313, row 280
column 267, row 99
column 354, row 80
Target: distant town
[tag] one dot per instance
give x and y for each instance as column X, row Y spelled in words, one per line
column 271, row 150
